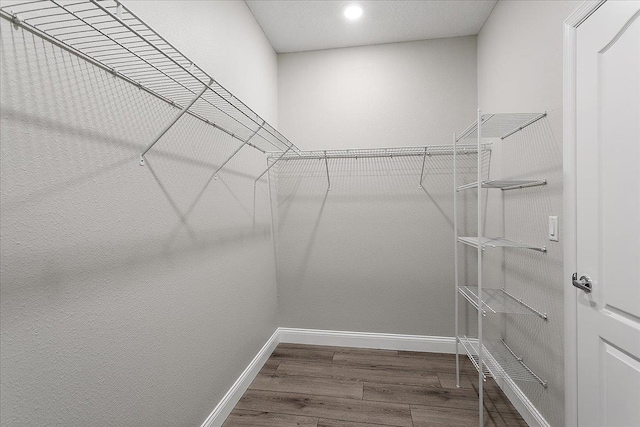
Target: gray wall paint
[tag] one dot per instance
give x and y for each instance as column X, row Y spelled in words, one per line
column 400, row 94
column 113, row 312
column 520, row 70
column 375, row 253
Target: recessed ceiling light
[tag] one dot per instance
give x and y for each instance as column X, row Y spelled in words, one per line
column 352, row 11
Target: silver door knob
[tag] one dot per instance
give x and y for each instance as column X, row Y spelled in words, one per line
column 583, row 283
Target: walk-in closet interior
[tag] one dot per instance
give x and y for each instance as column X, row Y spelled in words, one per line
column 198, row 196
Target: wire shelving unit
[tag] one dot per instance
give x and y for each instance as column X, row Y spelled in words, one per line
column 504, row 184
column 491, row 358
column 110, row 36
column 497, row 242
column 497, row 301
column 499, row 360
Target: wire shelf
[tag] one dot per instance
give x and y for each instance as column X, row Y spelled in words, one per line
column 499, row 360
column 107, row 34
column 498, row 301
column 498, row 242
column 501, row 125
column 504, row 184
column 363, row 153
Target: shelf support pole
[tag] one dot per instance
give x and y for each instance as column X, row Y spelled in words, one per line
column 326, row 164
column 237, row 150
column 424, row 160
column 271, row 165
column 480, row 235
column 173, row 122
column 455, row 248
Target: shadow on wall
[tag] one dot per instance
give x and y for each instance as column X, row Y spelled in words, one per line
column 376, row 242
column 71, row 134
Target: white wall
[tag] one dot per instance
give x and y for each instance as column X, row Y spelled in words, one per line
column 520, row 70
column 114, row 312
column 376, row 252
column 399, row 94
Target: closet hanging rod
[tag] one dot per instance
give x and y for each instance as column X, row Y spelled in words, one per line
column 108, row 35
column 363, row 153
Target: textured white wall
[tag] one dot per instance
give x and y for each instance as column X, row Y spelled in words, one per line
column 114, row 312
column 399, row 94
column 520, row 70
column 375, row 253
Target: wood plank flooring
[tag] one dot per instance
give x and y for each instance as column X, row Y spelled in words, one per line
column 320, row 386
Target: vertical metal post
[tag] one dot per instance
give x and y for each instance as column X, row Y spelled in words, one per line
column 480, row 368
column 424, row 160
column 173, row 122
column 326, row 164
column 455, row 250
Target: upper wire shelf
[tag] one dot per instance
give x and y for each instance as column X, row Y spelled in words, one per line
column 498, row 301
column 107, row 34
column 501, row 125
column 363, row 153
column 504, row 184
column 498, row 242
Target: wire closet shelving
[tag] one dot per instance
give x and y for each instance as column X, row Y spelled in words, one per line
column 388, row 152
column 490, row 357
column 111, row 37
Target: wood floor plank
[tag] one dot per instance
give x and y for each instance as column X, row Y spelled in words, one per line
column 345, row 372
column 270, row 366
column 429, row 396
column 353, row 350
column 325, row 386
column 311, row 355
column 431, row 416
column 377, row 362
column 448, row 380
column 241, row 418
column 338, row 423
column 352, row 389
column 495, row 400
column 337, row 408
column 427, row 355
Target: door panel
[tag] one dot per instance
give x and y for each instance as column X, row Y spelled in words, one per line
column 619, row 83
column 619, row 368
column 608, row 215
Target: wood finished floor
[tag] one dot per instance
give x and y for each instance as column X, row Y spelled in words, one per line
column 319, row 386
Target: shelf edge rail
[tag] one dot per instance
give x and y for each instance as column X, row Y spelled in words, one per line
column 43, row 19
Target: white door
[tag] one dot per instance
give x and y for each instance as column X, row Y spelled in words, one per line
column 608, row 215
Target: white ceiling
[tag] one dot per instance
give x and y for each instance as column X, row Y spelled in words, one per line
column 295, row 26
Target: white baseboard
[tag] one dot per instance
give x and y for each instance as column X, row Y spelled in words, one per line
column 228, row 402
column 360, row 340
column 521, row 402
column 368, row 340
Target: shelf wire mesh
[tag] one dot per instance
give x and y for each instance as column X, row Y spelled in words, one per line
column 109, row 35
column 498, row 360
column 390, row 152
column 497, row 301
column 498, row 242
column 500, row 125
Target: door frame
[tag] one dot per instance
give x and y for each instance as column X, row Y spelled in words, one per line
column 571, row 25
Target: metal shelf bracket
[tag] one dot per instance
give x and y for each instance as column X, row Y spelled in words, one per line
column 326, row 164
column 424, row 160
column 270, row 166
column 173, row 122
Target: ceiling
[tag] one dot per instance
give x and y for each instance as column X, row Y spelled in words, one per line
column 295, row 26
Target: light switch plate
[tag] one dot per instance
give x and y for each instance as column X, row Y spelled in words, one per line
column 553, row 228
